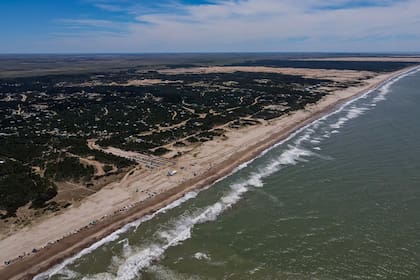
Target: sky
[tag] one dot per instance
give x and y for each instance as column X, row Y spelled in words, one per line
column 140, row 26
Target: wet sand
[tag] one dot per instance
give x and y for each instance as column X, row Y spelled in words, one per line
column 240, row 147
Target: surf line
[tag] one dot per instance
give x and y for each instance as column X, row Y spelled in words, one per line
column 340, row 106
column 181, row 229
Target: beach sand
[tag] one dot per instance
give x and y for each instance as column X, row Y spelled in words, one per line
column 144, row 191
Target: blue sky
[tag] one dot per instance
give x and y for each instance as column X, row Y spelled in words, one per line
column 79, row 26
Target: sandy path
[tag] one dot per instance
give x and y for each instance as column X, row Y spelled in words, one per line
column 99, row 168
column 214, row 159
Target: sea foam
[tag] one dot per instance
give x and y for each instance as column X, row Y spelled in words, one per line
column 58, row 269
column 181, row 228
column 135, row 260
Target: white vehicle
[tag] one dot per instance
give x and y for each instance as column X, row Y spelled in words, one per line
column 172, row 173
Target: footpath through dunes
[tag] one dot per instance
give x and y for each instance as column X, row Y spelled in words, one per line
column 240, row 147
column 144, row 160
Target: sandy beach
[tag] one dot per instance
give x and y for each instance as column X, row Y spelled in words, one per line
column 144, row 191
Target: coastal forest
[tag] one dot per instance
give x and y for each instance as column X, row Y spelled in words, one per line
column 47, row 120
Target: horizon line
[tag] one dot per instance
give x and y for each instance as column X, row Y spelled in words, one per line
column 215, row 52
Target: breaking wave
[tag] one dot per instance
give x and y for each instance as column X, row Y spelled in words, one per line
column 136, row 259
column 181, row 228
column 112, row 237
column 351, row 110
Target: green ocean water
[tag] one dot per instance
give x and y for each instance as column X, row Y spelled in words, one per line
column 340, row 199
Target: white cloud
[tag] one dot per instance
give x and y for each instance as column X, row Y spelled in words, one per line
column 261, row 25
column 109, row 7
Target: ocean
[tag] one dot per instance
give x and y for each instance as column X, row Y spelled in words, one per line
column 338, row 199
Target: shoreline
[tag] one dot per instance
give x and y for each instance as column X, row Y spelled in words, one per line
column 72, row 244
